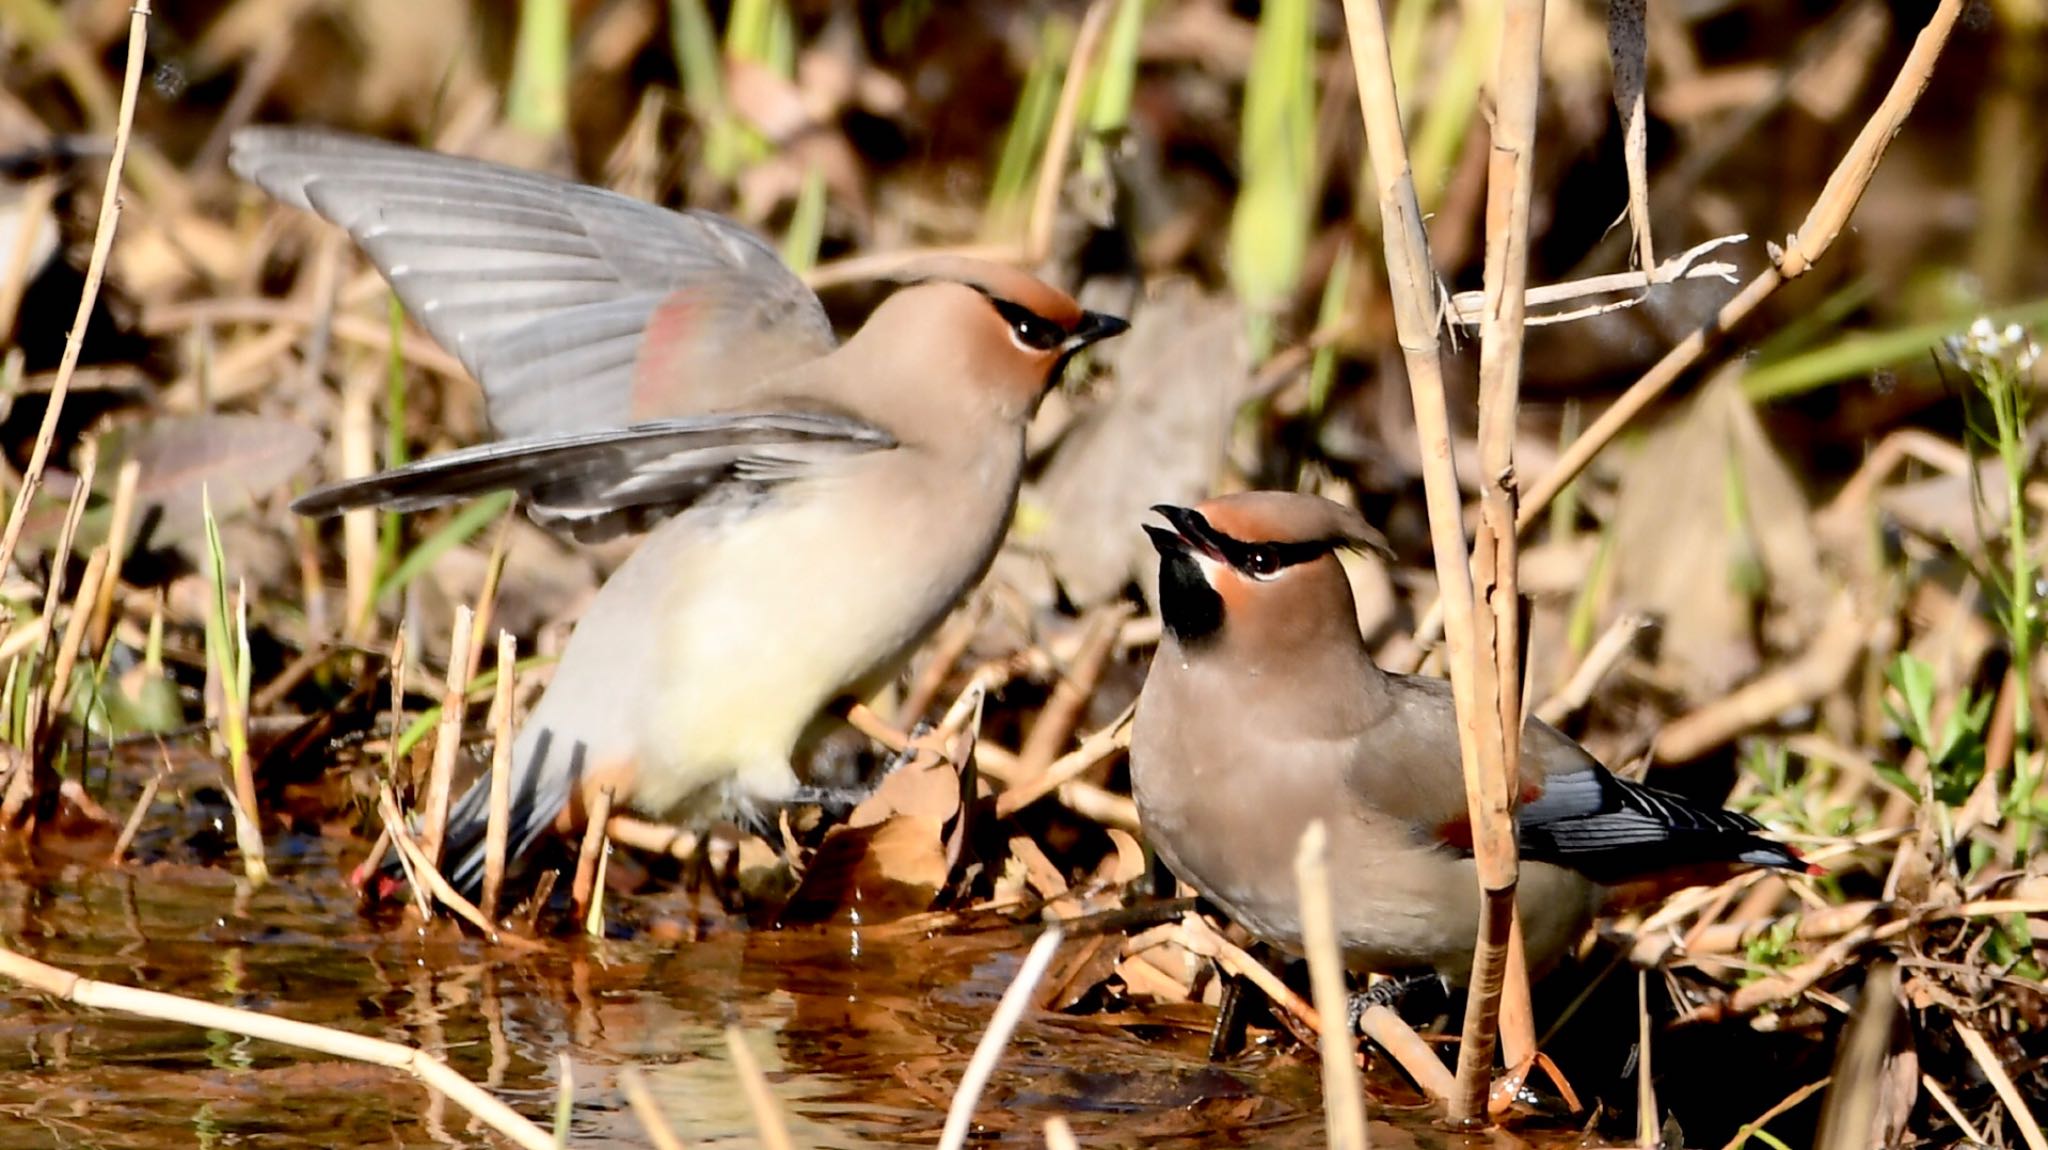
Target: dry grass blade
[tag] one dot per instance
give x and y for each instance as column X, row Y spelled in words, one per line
column 95, row 270
column 1009, row 1011
column 587, row 892
column 430, row 1070
column 1743, row 1136
column 426, row 878
column 2001, row 1081
column 1343, row 1092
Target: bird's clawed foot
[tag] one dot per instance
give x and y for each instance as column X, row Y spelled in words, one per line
column 1391, row 993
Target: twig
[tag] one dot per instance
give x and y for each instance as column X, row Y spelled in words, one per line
column 431, row 1071
column 1057, row 719
column 1343, row 1092
column 1607, row 650
column 133, row 826
column 1468, row 307
column 1648, row 1129
column 95, row 270
column 1009, row 1011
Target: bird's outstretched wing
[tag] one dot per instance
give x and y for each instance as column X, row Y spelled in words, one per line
column 597, row 484
column 574, row 307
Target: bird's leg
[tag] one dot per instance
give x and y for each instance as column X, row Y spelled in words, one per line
column 1226, row 1038
column 1390, row 993
column 838, row 802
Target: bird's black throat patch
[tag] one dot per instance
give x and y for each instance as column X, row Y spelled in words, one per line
column 1188, row 606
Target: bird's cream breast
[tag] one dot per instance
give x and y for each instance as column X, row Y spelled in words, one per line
column 809, row 594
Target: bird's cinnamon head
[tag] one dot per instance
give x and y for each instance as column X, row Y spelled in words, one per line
column 1262, row 563
column 1013, row 332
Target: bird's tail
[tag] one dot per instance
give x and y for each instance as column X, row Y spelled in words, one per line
column 538, row 795
column 1611, row 830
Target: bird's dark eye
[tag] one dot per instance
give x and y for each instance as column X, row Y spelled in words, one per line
column 1262, row 562
column 1031, row 329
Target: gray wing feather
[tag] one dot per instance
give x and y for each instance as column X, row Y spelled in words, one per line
column 599, row 483
column 543, row 288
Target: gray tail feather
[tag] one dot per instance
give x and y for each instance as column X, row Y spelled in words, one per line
column 538, row 795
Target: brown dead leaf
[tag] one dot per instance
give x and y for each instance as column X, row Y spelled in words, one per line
column 230, row 460
column 1181, row 372
column 1742, row 524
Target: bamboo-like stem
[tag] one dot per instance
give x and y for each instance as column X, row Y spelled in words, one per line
column 448, row 741
column 587, row 889
column 430, row 1070
column 497, row 831
column 95, row 271
column 1343, row 1091
column 1416, row 304
column 1500, row 982
column 768, row 1119
column 1009, row 1011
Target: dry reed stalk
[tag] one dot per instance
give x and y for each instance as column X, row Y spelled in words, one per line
column 1824, row 222
column 426, row 878
column 1059, row 137
column 95, row 271
column 1343, row 1091
column 448, row 738
column 1067, row 769
column 133, row 826
column 32, row 776
column 768, row 1119
column 355, row 441
column 1649, row 1132
column 120, row 521
column 431, row 1071
column 1070, row 694
column 494, row 574
column 942, row 655
column 647, row 1110
column 587, row 889
column 497, row 831
column 31, row 210
column 1467, row 307
column 1413, row 282
column 75, row 630
column 1500, row 979
column 1009, row 1011
column 1059, row 1135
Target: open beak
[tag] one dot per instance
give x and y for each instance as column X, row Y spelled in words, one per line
column 1190, row 534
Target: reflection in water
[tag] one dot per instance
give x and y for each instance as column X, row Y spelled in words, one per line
column 863, row 1043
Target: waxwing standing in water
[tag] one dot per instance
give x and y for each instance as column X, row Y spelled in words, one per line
column 816, row 507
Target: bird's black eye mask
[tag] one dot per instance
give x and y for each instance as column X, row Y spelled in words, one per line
column 1258, row 560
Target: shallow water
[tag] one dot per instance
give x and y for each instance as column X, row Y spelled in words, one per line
column 863, row 1037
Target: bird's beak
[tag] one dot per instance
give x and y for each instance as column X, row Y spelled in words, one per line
column 1190, row 534
column 1094, row 327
